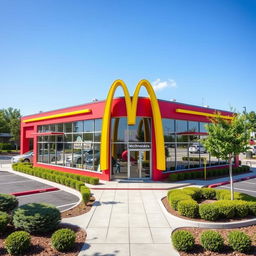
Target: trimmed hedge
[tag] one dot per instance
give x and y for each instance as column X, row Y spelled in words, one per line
column 63, row 239
column 4, row 220
column 74, row 181
column 212, row 241
column 8, row 202
column 17, row 243
column 188, row 208
column 182, row 175
column 208, row 212
column 185, row 201
column 239, row 241
column 183, row 240
column 36, row 218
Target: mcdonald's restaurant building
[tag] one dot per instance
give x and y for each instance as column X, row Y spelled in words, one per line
column 121, row 138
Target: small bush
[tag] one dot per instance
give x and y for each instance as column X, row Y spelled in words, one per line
column 36, row 218
column 4, row 220
column 7, row 202
column 183, row 240
column 241, row 208
column 63, row 239
column 212, row 241
column 194, row 192
column 173, row 177
column 17, row 242
column 226, row 208
column 208, row 193
column 239, row 241
column 188, row 208
column 174, row 199
column 208, row 212
column 86, row 194
column 252, row 208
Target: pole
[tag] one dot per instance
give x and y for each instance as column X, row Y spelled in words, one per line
column 205, row 162
column 231, row 178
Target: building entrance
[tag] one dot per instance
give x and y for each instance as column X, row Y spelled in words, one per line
column 139, row 164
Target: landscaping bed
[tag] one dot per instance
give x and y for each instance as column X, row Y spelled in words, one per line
column 191, row 202
column 41, row 244
column 226, row 250
column 80, row 209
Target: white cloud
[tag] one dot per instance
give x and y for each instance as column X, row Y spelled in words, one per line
column 160, row 85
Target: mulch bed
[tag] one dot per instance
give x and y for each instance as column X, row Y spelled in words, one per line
column 227, row 251
column 175, row 213
column 41, row 245
column 79, row 209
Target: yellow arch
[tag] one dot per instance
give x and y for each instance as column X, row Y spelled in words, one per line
column 131, row 109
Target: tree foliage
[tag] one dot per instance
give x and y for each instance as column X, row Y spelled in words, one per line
column 251, row 118
column 227, row 138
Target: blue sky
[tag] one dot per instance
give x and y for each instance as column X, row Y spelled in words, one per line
column 58, row 53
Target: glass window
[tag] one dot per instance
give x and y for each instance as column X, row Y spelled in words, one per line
column 202, row 127
column 170, row 156
column 40, row 128
column 88, row 137
column 52, row 128
column 59, row 128
column 182, row 156
column 169, row 130
column 119, row 129
column 68, row 150
column 89, row 126
column 98, row 125
column 45, row 128
column 68, row 127
column 181, row 126
column 97, row 137
column 78, row 126
column 193, row 126
column 68, row 137
column 141, row 131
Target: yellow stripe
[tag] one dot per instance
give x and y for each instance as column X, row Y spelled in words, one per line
column 84, row 111
column 191, row 112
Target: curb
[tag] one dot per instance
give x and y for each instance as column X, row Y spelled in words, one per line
column 35, row 191
column 228, row 182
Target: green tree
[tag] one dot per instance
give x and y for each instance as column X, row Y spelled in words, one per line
column 251, row 117
column 3, row 124
column 227, row 139
column 12, row 117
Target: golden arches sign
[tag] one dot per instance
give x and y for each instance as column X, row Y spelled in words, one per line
column 131, row 108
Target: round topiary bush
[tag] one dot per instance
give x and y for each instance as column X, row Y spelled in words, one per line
column 4, row 220
column 36, row 218
column 17, row 242
column 241, row 208
column 208, row 193
column 8, row 202
column 63, row 239
column 239, row 241
column 183, row 240
column 226, row 208
column 188, row 208
column 208, row 212
column 212, row 241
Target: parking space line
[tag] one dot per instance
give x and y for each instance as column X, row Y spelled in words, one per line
column 240, row 189
column 5, row 183
column 249, row 182
column 60, row 206
column 42, row 193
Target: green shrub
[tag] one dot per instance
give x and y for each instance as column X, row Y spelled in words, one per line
column 241, row 208
column 36, row 218
column 188, row 208
column 208, row 193
column 252, row 208
column 17, row 242
column 174, row 199
column 194, row 192
column 183, row 240
column 86, row 194
column 226, row 208
column 212, row 241
column 239, row 241
column 4, row 220
column 8, row 202
column 173, row 177
column 208, row 212
column 79, row 184
column 63, row 239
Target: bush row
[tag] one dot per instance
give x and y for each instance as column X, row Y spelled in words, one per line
column 185, row 201
column 6, row 146
column 211, row 240
column 193, row 158
column 68, row 179
column 18, row 242
column 210, row 173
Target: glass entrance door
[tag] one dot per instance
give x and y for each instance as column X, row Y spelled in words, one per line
column 139, row 164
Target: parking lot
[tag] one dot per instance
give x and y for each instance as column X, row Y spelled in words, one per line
column 247, row 187
column 12, row 183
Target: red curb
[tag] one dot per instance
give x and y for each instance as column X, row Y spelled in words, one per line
column 36, row 191
column 228, row 182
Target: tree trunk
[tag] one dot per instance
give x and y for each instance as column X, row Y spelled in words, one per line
column 231, row 178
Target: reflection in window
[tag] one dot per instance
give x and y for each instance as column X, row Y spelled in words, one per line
column 68, row 127
column 78, row 126
column 181, row 126
column 89, row 126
